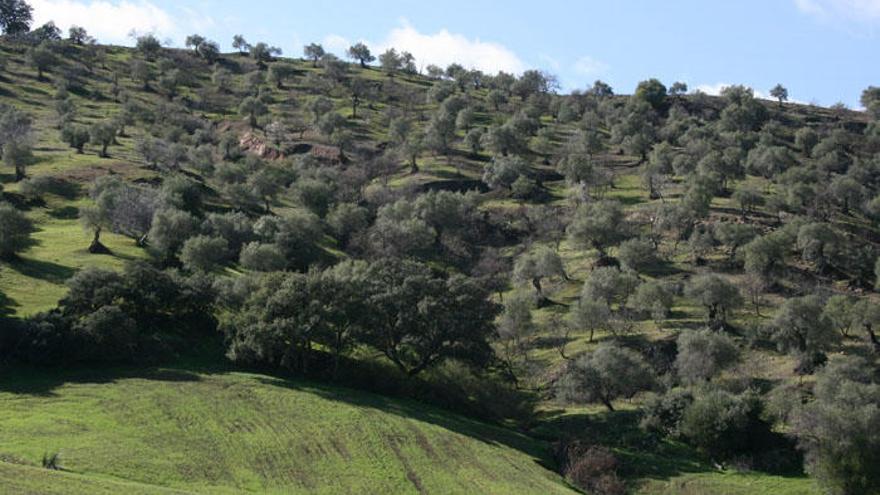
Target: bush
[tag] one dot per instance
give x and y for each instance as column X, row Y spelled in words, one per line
column 702, row 354
column 662, row 413
column 721, row 424
column 592, row 468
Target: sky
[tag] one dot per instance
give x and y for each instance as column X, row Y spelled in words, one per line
column 823, row 51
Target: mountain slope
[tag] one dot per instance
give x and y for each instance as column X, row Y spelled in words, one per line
column 237, row 432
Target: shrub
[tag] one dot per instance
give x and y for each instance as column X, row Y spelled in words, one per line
column 592, row 468
column 721, row 424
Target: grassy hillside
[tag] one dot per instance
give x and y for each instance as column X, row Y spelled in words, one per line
column 161, row 430
column 194, row 431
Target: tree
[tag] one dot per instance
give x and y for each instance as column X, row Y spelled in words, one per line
column 313, row 52
column 41, row 58
column 718, row 296
column 840, row 309
column 263, row 53
column 867, row 316
column 418, row 319
column 765, row 255
column 734, row 236
column 194, row 40
column 608, row 373
column 17, row 155
column 262, row 257
column 534, row 266
column 721, row 424
column 203, row 253
column 819, row 245
column 79, row 36
column 240, row 44
column 652, row 298
column 502, row 171
column 15, row 232
column 361, row 53
column 871, row 100
column 252, row 108
column 590, row 315
column 516, row 326
column 76, row 136
column 637, row 254
column 610, row 285
column 599, row 225
column 148, row 45
column 801, row 327
column 103, row 134
column 678, row 88
column 346, row 220
column 653, row 92
column 141, row 71
column 780, row 93
column 703, row 354
column 15, row 17
column 838, row 429
column 390, row 61
column 170, row 229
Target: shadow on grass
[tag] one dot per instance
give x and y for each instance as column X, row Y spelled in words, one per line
column 662, row 269
column 43, row 381
column 65, row 213
column 42, row 270
column 7, row 307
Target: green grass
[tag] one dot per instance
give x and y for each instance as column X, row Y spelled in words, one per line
column 35, row 282
column 238, row 432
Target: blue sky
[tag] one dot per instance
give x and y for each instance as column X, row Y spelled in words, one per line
column 824, row 51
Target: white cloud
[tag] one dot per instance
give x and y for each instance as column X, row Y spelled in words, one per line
column 108, row 21
column 716, row 89
column 589, row 67
column 443, row 48
column 336, row 45
column 111, row 21
column 711, row 89
column 852, row 10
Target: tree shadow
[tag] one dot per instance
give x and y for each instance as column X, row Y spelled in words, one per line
column 7, row 307
column 42, row 270
column 65, row 213
column 43, row 381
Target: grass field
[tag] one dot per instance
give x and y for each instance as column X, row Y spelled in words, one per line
column 159, row 430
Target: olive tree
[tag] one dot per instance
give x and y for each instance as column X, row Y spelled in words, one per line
column 716, row 295
column 361, row 53
column 608, row 373
column 801, row 327
column 838, row 429
column 599, row 225
column 703, row 354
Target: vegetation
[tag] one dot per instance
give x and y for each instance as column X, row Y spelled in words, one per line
column 670, row 288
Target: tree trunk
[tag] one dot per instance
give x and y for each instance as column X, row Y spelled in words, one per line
column 607, row 404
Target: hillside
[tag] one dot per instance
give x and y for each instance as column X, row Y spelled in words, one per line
column 672, row 279
column 176, row 431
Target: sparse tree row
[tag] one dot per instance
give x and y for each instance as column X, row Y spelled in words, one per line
column 309, row 214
